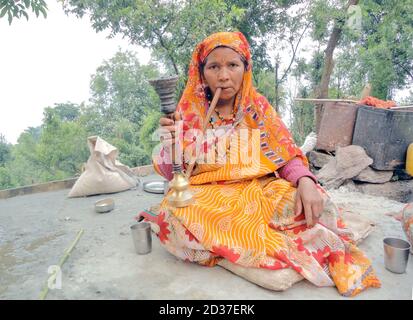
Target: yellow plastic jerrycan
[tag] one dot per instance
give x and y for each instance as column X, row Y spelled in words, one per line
column 409, row 160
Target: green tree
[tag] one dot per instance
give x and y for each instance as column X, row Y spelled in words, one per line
column 124, row 108
column 302, row 117
column 5, row 149
column 120, row 88
column 62, row 146
column 378, row 52
column 54, row 151
column 173, row 28
column 385, row 47
column 263, row 21
column 19, row 8
column 170, row 28
column 5, row 179
column 150, row 124
column 24, row 167
column 5, row 155
column 265, row 84
column 64, row 111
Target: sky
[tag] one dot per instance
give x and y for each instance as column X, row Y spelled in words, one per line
column 48, row 61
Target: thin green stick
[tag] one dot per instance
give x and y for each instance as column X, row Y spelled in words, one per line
column 67, row 252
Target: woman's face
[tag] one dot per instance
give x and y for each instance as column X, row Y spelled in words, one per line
column 224, row 69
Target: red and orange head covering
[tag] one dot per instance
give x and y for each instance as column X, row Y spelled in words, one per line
column 276, row 142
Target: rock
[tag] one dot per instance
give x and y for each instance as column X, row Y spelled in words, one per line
column 348, row 163
column 328, row 175
column 318, row 159
column 351, row 159
column 374, row 176
column 401, row 191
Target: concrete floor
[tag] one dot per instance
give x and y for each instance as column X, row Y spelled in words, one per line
column 36, row 229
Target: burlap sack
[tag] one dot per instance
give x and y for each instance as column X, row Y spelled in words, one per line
column 103, row 173
column 277, row 280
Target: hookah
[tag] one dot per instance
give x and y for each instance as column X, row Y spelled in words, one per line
column 180, row 196
column 165, row 87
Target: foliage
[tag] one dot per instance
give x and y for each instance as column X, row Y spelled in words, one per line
column 124, row 108
column 173, row 28
column 19, row 8
column 54, row 151
column 5, row 149
column 120, row 88
column 302, row 118
column 170, row 28
column 386, row 50
column 5, row 178
column 24, row 168
column 61, row 149
column 124, row 105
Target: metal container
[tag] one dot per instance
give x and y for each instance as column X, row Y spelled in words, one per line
column 155, row 186
column 396, row 254
column 337, row 125
column 142, row 237
column 385, row 135
column 104, row 205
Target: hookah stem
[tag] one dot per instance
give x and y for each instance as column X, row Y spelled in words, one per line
column 210, row 110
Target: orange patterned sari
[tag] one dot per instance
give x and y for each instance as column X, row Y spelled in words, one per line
column 243, row 211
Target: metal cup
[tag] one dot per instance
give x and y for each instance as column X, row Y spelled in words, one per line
column 396, row 254
column 142, row 237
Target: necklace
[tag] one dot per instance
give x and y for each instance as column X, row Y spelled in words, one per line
column 222, row 118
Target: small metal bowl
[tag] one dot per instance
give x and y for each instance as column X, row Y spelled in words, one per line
column 156, row 186
column 104, row 205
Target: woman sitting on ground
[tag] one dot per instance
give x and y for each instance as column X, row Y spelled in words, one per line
column 256, row 203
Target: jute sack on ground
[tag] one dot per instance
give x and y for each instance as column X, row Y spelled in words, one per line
column 103, row 173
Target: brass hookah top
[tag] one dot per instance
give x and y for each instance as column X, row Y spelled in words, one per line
column 180, row 196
